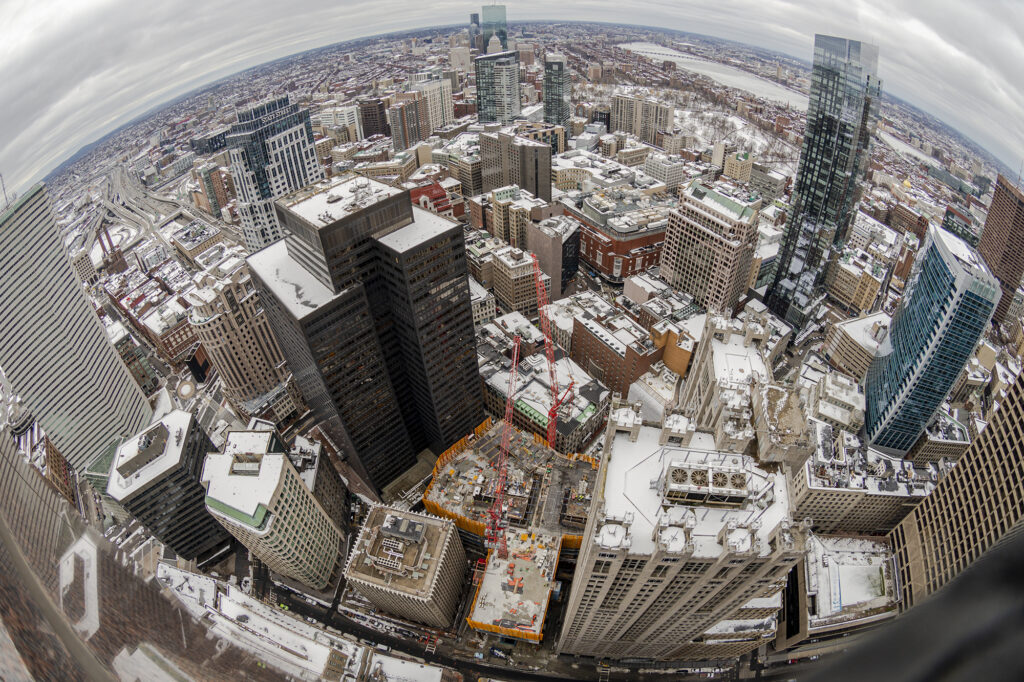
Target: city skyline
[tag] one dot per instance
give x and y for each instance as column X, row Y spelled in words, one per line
column 121, row 91
column 570, row 351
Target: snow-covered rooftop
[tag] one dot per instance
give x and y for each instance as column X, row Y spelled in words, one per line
column 640, row 475
column 331, row 200
column 424, row 227
column 300, row 292
column 144, row 458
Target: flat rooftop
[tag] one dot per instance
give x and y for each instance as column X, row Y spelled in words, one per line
column 849, row 579
column 149, row 455
column 424, row 227
column 514, row 593
column 639, row 514
column 245, row 483
column 326, row 202
column 298, row 290
column 399, row 550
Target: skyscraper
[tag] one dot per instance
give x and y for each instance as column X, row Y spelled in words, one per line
column 1002, row 241
column 681, row 542
column 494, row 24
column 272, row 153
column 975, row 506
column 497, row 87
column 641, row 116
column 709, row 243
column 156, row 478
column 841, row 114
column 369, row 301
column 53, row 347
column 949, row 299
column 557, row 90
column 438, row 96
column 373, row 117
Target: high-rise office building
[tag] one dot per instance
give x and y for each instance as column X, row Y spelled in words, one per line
column 156, row 478
column 710, row 242
column 369, row 301
column 641, row 116
column 682, row 544
column 255, row 491
column 507, row 159
column 272, row 153
column 228, row 319
column 841, row 115
column 373, row 117
column 497, row 87
column 53, row 347
column 1002, row 242
column 976, row 505
column 494, row 24
column 557, row 90
column 947, row 304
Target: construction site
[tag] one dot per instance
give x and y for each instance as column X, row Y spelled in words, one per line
column 520, row 505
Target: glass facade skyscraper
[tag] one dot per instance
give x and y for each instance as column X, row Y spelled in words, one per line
column 494, row 23
column 369, row 300
column 557, row 90
column 948, row 303
column 841, row 116
column 272, row 153
column 497, row 87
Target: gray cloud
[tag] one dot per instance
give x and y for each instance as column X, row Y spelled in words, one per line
column 71, row 72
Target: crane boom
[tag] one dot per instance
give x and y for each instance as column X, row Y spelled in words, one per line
column 496, row 524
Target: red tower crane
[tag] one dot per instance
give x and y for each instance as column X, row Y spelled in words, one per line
column 549, row 350
column 496, row 523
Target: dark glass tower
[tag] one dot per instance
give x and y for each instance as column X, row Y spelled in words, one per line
column 369, row 300
column 557, row 90
column 841, row 117
column 948, row 302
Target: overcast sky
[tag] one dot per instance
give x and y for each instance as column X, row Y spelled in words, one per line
column 71, row 72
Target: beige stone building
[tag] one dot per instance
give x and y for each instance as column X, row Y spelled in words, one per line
column 850, row 346
column 514, row 284
column 257, row 494
column 228, row 319
column 976, row 505
column 679, row 560
column 512, row 210
column 717, row 396
column 709, row 244
column 854, row 280
column 845, row 487
column 738, row 166
column 944, row 437
column 640, row 116
column 409, row 565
